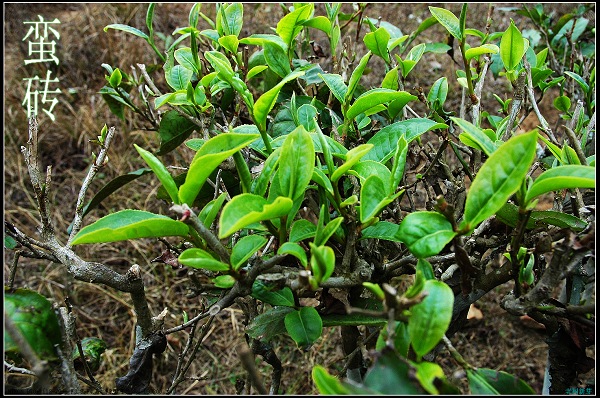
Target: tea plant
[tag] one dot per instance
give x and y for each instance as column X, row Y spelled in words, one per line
column 302, row 186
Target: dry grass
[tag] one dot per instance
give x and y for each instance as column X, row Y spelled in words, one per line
column 497, row 342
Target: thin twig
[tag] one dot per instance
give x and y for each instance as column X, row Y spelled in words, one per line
column 100, row 160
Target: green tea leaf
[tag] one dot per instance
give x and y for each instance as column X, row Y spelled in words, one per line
column 489, row 381
column 295, row 250
column 448, row 20
column 92, row 348
column 352, row 157
column 327, row 384
column 512, row 47
column 277, row 59
column 304, row 326
column 438, row 93
column 483, row 49
column 474, row 137
column 430, row 319
column 290, row 25
column 115, row 78
column 178, row 77
column 386, row 139
column 246, row 209
column 267, row 294
column 186, row 59
column 128, row 29
column 245, row 248
column 34, row 318
column 425, row 233
column 377, row 42
column 320, row 22
column 268, row 324
column 562, row 177
column 296, row 163
column 373, row 198
column 130, row 224
column 355, row 77
column 173, row 130
column 398, row 165
column 211, row 209
column 375, row 97
column 230, row 43
column 266, row 102
column 165, row 178
column 322, row 261
column 230, row 19
column 381, row 230
column 391, row 375
column 336, row 85
column 208, row 157
column 499, row 177
column 198, row 258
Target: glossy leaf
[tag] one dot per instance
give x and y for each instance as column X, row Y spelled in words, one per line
column 198, row 258
column 425, row 233
column 255, row 71
column 375, row 97
column 208, row 157
column 302, row 229
column 185, row 58
column 130, row 224
column 230, row 43
column 165, row 178
column 448, row 20
column 336, row 85
column 259, row 185
column 474, row 137
column 322, row 262
column 230, row 19
column 373, row 198
column 382, row 230
column 562, row 177
column 377, row 42
column 480, row 50
column 386, row 139
column 296, row 163
column 430, row 319
column 366, row 168
column 277, row 59
column 211, row 210
column 352, row 157
column 438, row 93
column 128, row 29
column 304, row 326
column 266, row 102
column 512, row 47
column 173, row 130
column 499, row 177
column 34, row 318
column 355, row 77
column 398, row 165
column 245, row 248
column 246, row 209
column 295, row 250
column 324, row 234
column 290, row 25
column 428, row 374
column 115, row 78
column 269, row 324
column 178, row 77
column 485, row 381
column 320, row 22
column 223, row 281
column 269, row 295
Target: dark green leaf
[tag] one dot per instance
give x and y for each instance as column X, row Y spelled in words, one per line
column 425, row 233
column 430, row 319
column 277, row 59
column 499, row 177
column 485, row 381
column 34, row 318
column 267, row 294
column 268, row 324
column 382, row 230
column 304, row 326
column 173, row 130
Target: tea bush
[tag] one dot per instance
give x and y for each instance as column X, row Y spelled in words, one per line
column 300, row 205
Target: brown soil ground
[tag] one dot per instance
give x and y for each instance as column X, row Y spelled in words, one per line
column 498, row 340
